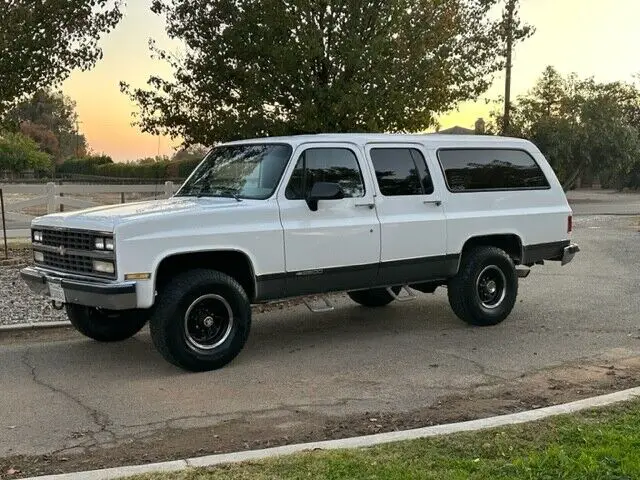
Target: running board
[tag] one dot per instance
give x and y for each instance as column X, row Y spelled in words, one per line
column 328, row 306
column 409, row 295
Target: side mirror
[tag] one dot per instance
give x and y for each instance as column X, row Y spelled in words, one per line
column 323, row 191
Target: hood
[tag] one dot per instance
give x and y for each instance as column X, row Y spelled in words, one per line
column 108, row 217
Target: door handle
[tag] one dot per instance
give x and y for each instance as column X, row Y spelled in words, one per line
column 437, row 203
column 370, row 205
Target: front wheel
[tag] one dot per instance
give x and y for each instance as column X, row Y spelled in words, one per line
column 201, row 320
column 106, row 325
column 484, row 290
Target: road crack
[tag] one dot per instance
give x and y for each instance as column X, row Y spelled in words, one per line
column 97, row 417
column 482, row 369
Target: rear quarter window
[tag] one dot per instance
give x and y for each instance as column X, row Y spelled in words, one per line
column 468, row 170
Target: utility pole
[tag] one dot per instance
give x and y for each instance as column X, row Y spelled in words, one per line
column 506, row 119
column 77, row 138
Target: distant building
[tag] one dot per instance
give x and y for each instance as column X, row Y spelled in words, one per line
column 458, row 130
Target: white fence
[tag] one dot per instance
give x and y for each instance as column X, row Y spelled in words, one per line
column 55, row 196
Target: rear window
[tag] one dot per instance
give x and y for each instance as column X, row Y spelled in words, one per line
column 401, row 171
column 490, row 169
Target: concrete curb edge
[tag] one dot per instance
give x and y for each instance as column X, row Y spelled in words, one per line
column 33, row 326
column 354, row 442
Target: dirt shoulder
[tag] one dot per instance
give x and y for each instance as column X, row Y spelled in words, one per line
column 553, row 386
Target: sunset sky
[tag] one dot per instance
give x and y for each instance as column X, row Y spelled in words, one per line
column 589, row 37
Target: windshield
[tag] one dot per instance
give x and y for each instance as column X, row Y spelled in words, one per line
column 238, row 171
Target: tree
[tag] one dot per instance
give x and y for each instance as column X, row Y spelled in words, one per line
column 41, row 42
column 49, row 118
column 583, row 127
column 190, row 154
column 269, row 67
column 19, row 153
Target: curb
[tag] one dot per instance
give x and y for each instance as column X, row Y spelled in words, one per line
column 354, row 442
column 18, row 327
column 606, row 214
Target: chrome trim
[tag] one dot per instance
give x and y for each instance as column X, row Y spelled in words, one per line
column 96, row 254
column 35, row 226
column 569, row 252
column 83, row 291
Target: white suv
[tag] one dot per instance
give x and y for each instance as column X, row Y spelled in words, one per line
column 267, row 219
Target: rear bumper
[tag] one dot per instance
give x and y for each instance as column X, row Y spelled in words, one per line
column 569, row 252
column 562, row 251
column 107, row 295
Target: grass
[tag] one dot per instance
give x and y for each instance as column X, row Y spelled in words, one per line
column 601, row 444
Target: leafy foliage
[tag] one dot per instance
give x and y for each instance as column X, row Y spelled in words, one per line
column 83, row 166
column 42, row 41
column 49, row 118
column 583, row 127
column 190, row 153
column 269, row 67
column 19, row 153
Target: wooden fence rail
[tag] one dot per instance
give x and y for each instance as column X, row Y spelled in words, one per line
column 55, row 197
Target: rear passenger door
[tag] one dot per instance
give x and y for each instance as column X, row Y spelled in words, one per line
column 412, row 220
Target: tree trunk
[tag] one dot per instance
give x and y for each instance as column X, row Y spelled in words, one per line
column 572, row 179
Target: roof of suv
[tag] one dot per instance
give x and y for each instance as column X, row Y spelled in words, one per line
column 364, row 138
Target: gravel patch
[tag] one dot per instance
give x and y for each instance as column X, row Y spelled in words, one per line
column 18, row 304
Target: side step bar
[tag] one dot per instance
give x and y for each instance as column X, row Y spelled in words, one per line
column 327, row 307
column 407, row 297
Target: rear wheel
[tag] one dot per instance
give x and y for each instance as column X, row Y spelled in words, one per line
column 201, row 320
column 375, row 297
column 106, row 325
column 485, row 289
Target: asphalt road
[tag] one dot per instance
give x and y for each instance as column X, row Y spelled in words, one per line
column 59, row 391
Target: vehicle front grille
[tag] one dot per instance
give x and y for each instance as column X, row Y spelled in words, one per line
column 69, row 263
column 68, row 239
column 72, row 251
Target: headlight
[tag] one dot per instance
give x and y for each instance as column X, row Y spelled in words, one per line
column 37, row 236
column 104, row 243
column 38, row 256
column 103, row 267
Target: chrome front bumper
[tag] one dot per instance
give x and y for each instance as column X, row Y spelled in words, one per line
column 110, row 296
column 569, row 252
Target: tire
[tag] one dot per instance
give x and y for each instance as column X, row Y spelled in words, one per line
column 201, row 320
column 373, row 298
column 106, row 325
column 472, row 295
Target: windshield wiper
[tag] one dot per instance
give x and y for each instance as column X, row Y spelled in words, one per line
column 228, row 191
column 224, row 192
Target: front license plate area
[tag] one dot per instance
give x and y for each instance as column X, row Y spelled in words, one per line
column 56, row 292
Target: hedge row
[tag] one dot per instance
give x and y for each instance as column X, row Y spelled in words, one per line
column 104, row 167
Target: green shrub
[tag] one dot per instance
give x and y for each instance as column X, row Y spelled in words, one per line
column 84, row 166
column 18, row 153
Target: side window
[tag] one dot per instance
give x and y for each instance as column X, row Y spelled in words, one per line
column 337, row 165
column 401, row 171
column 486, row 169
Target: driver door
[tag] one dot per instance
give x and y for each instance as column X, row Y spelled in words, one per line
column 337, row 246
